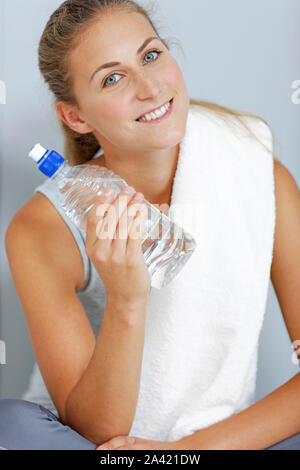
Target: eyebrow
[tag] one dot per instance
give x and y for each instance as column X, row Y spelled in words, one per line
column 114, row 64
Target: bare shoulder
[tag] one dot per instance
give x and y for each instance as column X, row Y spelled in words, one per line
column 287, row 196
column 44, row 223
column 286, row 188
column 285, row 271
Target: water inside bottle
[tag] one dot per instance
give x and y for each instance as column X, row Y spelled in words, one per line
column 166, row 247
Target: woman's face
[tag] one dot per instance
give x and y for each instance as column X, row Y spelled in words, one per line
column 111, row 99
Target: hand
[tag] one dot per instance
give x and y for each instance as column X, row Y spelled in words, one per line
column 115, row 230
column 136, row 443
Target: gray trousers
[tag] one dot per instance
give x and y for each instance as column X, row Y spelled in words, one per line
column 28, row 426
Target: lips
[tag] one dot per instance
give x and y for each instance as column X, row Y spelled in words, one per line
column 152, row 110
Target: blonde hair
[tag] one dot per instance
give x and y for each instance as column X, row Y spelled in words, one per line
column 61, row 33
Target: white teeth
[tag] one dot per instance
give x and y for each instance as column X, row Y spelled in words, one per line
column 156, row 114
column 159, row 113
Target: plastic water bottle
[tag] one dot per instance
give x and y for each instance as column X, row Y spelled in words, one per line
column 166, row 247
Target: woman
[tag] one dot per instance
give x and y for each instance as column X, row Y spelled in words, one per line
column 93, row 375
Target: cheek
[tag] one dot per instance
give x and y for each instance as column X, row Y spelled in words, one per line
column 115, row 110
column 105, row 111
column 174, row 76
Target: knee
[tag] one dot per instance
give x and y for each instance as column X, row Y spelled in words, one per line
column 14, row 410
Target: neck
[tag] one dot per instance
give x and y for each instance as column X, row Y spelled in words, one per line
column 151, row 173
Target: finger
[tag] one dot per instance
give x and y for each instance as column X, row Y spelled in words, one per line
column 136, row 446
column 106, row 232
column 125, row 448
column 137, row 230
column 122, row 230
column 94, row 219
column 117, row 442
column 136, row 225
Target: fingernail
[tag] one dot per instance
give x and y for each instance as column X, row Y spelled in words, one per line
column 129, row 190
column 108, row 191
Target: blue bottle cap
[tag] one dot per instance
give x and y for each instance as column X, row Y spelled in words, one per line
column 47, row 161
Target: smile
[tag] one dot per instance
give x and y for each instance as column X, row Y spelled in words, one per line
column 157, row 116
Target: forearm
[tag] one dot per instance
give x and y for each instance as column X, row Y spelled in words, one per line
column 103, row 403
column 272, row 419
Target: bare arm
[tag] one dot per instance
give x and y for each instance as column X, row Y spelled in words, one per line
column 44, row 265
column 267, row 422
column 41, row 252
column 103, row 403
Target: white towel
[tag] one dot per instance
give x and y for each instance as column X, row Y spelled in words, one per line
column 202, row 330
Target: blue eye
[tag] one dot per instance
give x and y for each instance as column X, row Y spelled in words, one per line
column 106, row 83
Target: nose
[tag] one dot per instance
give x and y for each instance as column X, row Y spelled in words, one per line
column 147, row 86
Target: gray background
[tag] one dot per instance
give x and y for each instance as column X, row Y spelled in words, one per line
column 242, row 54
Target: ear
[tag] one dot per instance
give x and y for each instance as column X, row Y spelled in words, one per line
column 71, row 117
